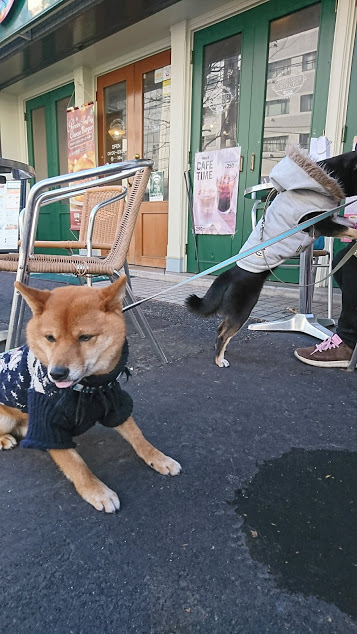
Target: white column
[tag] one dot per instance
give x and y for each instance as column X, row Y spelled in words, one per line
column 10, row 124
column 179, row 144
column 341, row 62
column 83, row 85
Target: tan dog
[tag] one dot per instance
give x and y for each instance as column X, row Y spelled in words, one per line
column 76, row 333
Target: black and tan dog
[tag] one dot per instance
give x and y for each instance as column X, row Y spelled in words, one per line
column 303, row 186
column 65, row 380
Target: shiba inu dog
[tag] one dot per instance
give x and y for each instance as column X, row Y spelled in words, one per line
column 65, row 380
column 302, row 186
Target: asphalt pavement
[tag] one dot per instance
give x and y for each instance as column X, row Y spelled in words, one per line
column 258, row 533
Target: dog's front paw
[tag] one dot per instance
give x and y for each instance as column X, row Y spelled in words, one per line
column 101, row 497
column 7, row 442
column 163, row 464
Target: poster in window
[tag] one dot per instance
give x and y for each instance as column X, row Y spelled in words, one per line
column 80, row 151
column 215, row 190
column 156, row 186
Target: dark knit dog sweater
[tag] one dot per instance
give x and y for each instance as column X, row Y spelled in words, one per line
column 58, row 414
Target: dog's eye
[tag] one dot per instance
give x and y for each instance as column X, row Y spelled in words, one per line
column 50, row 338
column 85, row 337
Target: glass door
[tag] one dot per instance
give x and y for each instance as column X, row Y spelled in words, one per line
column 350, row 140
column 260, row 67
column 134, row 122
column 46, row 118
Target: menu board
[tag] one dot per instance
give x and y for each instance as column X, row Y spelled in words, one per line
column 9, row 215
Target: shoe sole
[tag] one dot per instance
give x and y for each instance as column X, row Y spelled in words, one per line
column 323, row 364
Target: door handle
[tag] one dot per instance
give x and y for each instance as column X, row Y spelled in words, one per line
column 137, row 156
column 252, row 161
column 241, row 164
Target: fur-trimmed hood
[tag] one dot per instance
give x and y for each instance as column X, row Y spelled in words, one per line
column 309, row 175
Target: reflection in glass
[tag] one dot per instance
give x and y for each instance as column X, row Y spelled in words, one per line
column 156, row 139
column 40, row 142
column 290, row 84
column 115, row 123
column 222, row 64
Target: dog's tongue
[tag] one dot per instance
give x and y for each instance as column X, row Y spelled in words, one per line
column 63, row 384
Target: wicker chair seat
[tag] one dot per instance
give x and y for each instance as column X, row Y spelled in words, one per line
column 76, row 264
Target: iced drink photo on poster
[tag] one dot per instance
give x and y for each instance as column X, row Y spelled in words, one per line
column 225, row 186
column 206, row 205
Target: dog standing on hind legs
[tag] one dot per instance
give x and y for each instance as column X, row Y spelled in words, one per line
column 233, row 294
column 302, row 186
column 65, row 380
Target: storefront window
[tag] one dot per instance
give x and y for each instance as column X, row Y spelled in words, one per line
column 156, row 133
column 115, row 123
column 290, row 86
column 222, row 65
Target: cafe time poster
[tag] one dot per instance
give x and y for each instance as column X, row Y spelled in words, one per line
column 215, row 190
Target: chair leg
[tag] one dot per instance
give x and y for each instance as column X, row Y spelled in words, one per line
column 16, row 314
column 352, row 364
column 127, row 273
column 146, row 327
column 20, row 321
column 133, row 317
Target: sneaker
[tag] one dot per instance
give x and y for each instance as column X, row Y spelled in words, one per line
column 331, row 353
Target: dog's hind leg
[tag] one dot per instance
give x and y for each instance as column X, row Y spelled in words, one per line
column 226, row 330
column 152, row 456
column 13, row 424
column 233, row 321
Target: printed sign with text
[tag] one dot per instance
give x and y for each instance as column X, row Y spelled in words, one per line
column 215, row 190
column 81, row 151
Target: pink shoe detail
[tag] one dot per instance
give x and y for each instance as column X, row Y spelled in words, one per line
column 328, row 344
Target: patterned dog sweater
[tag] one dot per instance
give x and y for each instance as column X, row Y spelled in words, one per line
column 58, row 414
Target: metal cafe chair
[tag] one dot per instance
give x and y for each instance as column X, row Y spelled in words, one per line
column 304, row 320
column 26, row 262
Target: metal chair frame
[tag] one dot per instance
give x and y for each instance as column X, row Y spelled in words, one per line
column 37, row 197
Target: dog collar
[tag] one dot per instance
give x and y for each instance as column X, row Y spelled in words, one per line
column 90, row 383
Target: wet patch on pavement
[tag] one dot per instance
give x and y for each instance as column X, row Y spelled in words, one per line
column 300, row 520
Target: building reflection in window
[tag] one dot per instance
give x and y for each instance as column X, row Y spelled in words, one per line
column 290, row 84
column 222, row 67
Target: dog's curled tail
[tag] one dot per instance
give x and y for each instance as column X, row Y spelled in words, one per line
column 211, row 302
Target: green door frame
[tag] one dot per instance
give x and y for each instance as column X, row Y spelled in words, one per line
column 351, row 116
column 254, row 26
column 53, row 218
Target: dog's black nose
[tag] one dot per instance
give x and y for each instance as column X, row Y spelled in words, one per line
column 59, row 373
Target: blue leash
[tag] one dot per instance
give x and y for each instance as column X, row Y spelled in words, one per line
column 250, row 251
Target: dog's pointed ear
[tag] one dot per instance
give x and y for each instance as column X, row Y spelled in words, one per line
column 112, row 296
column 35, row 298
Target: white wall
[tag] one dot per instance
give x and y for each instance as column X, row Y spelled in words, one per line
column 10, row 125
